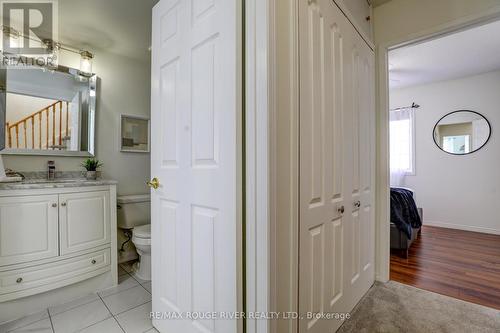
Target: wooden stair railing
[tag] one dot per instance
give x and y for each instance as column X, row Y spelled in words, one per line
column 32, row 119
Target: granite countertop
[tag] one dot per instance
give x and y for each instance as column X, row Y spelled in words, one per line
column 38, row 180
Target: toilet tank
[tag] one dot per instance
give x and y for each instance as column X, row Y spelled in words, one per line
column 133, row 210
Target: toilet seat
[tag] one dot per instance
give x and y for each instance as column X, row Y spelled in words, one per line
column 141, row 241
column 143, row 231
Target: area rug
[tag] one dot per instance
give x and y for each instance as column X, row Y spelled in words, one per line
column 393, row 307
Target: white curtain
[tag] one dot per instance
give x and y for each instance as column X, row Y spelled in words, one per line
column 480, row 133
column 401, row 145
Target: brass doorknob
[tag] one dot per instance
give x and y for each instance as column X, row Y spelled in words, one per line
column 154, row 183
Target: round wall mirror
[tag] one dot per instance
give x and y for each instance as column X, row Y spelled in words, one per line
column 462, row 132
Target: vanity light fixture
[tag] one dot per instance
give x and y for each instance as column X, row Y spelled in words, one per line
column 53, row 49
column 86, row 63
column 52, row 46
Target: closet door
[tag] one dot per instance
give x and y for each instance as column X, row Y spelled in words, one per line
column 324, row 164
column 336, row 165
column 362, row 115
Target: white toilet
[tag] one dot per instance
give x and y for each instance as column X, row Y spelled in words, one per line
column 134, row 214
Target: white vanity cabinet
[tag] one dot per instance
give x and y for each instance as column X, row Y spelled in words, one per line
column 55, row 237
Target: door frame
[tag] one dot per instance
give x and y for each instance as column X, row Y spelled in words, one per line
column 382, row 234
column 258, row 96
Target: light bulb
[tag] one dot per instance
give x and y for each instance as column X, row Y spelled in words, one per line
column 86, row 63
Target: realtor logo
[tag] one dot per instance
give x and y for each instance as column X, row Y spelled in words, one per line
column 28, row 26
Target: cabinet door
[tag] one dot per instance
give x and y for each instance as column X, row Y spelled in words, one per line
column 84, row 221
column 28, row 228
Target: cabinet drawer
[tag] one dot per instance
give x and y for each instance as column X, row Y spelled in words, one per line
column 37, row 279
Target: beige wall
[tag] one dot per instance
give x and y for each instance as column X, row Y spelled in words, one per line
column 455, row 130
column 398, row 19
column 124, row 87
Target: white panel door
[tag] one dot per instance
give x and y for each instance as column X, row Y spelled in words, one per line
column 195, row 153
column 336, row 126
column 84, row 221
column 324, row 163
column 28, row 228
column 362, row 275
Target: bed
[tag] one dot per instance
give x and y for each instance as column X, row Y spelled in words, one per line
column 406, row 219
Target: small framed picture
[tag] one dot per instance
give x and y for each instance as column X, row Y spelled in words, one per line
column 134, row 134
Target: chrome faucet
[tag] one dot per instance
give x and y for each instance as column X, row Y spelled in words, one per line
column 51, row 170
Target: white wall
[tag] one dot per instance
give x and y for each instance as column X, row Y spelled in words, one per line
column 20, row 106
column 123, row 87
column 456, row 191
column 399, row 19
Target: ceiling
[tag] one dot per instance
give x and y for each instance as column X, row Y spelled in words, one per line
column 121, row 27
column 470, row 52
column 377, row 3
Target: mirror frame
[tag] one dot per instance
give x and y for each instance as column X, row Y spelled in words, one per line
column 92, row 81
column 450, row 113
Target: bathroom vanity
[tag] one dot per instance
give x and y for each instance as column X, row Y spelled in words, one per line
column 55, row 235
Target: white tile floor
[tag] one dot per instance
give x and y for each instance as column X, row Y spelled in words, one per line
column 124, row 308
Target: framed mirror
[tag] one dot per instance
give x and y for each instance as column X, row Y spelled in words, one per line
column 462, row 132
column 48, row 112
column 134, row 134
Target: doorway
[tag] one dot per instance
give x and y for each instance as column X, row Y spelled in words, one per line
column 444, row 232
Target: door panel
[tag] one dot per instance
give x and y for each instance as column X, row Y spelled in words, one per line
column 336, row 165
column 366, row 130
column 28, row 228
column 323, row 164
column 195, row 151
column 362, row 164
column 84, row 221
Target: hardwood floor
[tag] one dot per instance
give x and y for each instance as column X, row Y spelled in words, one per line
column 456, row 263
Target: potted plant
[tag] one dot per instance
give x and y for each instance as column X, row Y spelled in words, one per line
column 91, row 165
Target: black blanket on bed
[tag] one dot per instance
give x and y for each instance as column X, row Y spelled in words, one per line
column 404, row 212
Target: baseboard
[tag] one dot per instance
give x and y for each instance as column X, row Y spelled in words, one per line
column 462, row 227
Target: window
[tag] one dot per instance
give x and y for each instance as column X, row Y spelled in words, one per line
column 402, row 141
column 459, row 144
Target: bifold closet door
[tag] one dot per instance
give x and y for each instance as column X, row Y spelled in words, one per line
column 362, row 236
column 336, row 165
column 324, row 162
